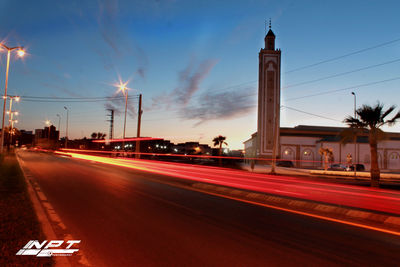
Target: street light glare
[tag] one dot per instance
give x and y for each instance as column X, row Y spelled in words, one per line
column 122, row 87
column 17, row 98
column 48, row 122
column 21, row 52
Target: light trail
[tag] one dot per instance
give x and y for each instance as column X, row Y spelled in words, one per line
column 126, row 139
column 353, row 196
column 182, row 155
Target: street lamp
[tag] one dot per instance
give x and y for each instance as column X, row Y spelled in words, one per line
column 124, row 90
column 66, row 128
column 20, row 53
column 355, row 134
column 11, row 116
column 48, row 123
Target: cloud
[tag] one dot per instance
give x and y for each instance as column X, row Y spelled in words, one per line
column 209, row 105
column 117, row 103
column 218, row 106
column 108, row 11
column 190, row 81
column 121, row 44
column 61, row 89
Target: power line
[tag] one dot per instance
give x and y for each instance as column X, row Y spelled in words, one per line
column 343, row 89
column 72, row 99
column 342, row 73
column 342, row 56
column 308, row 113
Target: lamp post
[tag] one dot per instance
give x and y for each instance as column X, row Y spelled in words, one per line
column 11, row 114
column 125, row 92
column 21, row 53
column 355, row 134
column 140, row 112
column 48, row 123
column 66, row 128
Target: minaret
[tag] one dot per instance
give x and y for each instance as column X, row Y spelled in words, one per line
column 269, row 87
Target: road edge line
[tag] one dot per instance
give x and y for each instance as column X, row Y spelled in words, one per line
column 41, row 215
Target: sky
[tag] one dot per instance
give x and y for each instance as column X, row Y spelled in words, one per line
column 196, row 63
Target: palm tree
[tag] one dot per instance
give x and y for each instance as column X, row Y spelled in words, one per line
column 370, row 119
column 219, row 141
column 327, row 153
column 94, row 135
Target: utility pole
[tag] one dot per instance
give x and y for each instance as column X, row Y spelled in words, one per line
column 140, row 111
column 111, row 120
column 66, row 128
column 59, row 124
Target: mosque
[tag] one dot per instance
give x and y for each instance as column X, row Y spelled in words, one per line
column 301, row 144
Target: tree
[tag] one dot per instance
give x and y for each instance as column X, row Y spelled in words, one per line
column 98, row 135
column 327, row 153
column 219, row 141
column 369, row 120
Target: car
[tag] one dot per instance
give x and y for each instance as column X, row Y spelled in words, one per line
column 285, row 163
column 337, row 167
column 359, row 167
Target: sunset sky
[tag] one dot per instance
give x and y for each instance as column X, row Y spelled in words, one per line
column 196, row 63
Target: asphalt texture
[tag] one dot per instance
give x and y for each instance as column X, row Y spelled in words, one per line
column 125, row 219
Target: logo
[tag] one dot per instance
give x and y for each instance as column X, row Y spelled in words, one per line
column 53, row 248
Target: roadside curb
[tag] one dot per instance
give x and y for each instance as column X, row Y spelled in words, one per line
column 387, row 177
column 47, row 216
column 388, row 222
column 41, row 214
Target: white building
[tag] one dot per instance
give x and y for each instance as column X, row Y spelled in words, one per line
column 302, row 143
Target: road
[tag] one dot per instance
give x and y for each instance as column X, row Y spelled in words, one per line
column 125, row 219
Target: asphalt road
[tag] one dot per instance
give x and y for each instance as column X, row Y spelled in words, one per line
column 125, row 219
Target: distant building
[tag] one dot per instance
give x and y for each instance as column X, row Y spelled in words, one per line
column 46, row 137
column 25, row 138
column 192, row 148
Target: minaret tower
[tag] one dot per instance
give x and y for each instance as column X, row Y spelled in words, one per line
column 269, row 88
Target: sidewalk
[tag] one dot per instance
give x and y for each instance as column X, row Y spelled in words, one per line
column 387, row 177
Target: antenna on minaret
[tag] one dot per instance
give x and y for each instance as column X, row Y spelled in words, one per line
column 265, row 27
column 270, row 23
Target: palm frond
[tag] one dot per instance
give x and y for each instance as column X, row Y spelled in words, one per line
column 387, row 112
column 347, row 135
column 393, row 120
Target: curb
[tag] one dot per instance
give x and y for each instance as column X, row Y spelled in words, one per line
column 41, row 214
column 387, row 222
column 47, row 216
column 360, row 175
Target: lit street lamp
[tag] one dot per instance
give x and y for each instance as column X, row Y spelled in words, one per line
column 11, row 116
column 20, row 53
column 124, row 91
column 48, row 123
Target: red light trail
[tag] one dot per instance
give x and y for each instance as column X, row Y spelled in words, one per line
column 347, row 195
column 182, row 155
column 126, row 140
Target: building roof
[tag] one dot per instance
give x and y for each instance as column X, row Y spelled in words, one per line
column 326, row 133
column 270, row 33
